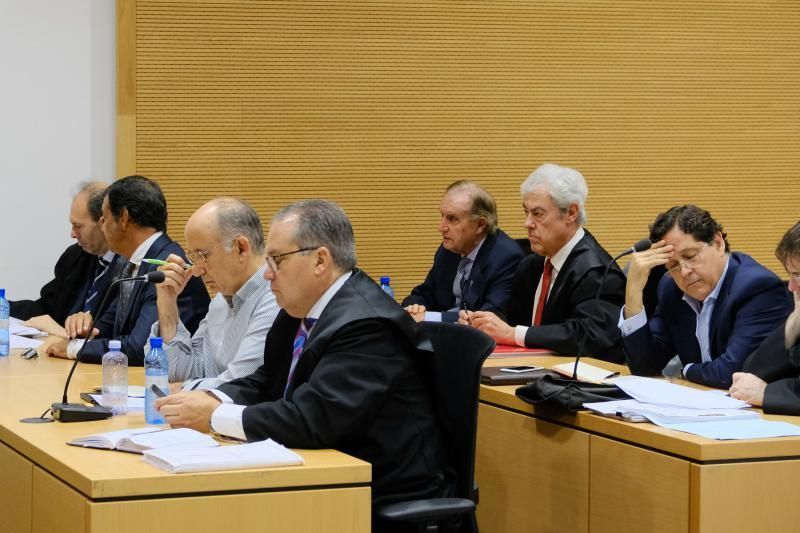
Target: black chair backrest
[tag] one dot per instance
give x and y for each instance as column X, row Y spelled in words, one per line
column 456, row 369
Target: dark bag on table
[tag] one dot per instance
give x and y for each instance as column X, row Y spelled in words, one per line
column 552, row 389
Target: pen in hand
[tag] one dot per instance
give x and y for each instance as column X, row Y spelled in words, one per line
column 160, row 262
column 466, row 312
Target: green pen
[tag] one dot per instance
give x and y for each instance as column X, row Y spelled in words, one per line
column 159, row 262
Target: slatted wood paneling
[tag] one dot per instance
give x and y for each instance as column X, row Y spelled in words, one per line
column 379, row 105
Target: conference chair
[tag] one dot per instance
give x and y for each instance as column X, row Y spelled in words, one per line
column 456, row 368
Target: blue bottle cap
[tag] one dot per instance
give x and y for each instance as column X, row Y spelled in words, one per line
column 385, row 280
column 155, row 342
column 114, row 345
column 2, row 293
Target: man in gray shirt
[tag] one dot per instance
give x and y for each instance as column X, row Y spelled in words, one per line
column 226, row 246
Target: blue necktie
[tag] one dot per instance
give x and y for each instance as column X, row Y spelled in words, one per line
column 91, row 295
column 297, row 348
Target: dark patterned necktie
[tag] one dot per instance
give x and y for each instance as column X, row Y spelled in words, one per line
column 126, row 289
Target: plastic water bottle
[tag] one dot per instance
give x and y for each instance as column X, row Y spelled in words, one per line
column 155, row 373
column 115, row 379
column 5, row 312
column 386, row 286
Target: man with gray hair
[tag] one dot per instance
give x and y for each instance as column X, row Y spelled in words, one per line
column 82, row 273
column 475, row 263
column 226, row 246
column 344, row 365
column 553, row 301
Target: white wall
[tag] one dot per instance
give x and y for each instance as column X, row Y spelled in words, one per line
column 57, row 126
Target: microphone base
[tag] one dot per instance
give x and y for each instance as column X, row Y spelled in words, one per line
column 78, row 412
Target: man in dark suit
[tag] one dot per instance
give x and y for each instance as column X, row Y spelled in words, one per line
column 553, row 301
column 714, row 307
column 474, row 265
column 134, row 224
column 83, row 271
column 343, row 364
column 770, row 377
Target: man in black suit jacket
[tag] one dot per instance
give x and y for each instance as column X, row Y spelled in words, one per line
column 475, row 263
column 356, row 384
column 80, row 278
column 553, row 301
column 134, row 221
column 770, row 377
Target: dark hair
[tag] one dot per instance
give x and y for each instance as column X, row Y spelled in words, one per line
column 691, row 220
column 483, row 204
column 323, row 223
column 143, row 199
column 789, row 247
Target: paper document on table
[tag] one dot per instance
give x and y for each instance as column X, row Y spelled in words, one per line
column 135, row 403
column 16, row 327
column 756, row 428
column 24, row 342
column 253, row 455
column 660, row 392
column 637, row 411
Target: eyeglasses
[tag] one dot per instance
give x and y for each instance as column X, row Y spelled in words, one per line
column 689, row 263
column 274, row 264
column 196, row 256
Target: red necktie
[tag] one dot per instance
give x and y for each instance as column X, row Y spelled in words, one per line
column 546, row 274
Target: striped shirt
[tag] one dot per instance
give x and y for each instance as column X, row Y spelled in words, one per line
column 229, row 343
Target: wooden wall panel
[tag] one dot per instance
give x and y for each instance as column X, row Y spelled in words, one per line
column 379, row 105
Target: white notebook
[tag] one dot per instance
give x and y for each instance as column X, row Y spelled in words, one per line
column 253, row 455
column 586, row 372
column 140, row 439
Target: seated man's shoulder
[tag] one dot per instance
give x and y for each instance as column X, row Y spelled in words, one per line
column 752, row 275
column 507, row 245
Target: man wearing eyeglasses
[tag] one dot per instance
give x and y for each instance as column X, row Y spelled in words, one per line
column 134, row 224
column 226, row 246
column 770, row 377
column 714, row 307
column 343, row 366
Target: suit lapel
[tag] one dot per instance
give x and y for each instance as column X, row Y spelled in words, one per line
column 722, row 302
column 564, row 277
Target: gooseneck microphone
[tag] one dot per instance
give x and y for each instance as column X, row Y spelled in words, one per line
column 640, row 246
column 78, row 412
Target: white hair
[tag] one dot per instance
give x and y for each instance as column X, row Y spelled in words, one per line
column 565, row 186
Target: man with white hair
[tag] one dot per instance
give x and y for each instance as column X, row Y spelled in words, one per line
column 553, row 301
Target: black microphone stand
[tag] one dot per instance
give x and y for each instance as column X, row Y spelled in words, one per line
column 77, row 412
column 640, row 246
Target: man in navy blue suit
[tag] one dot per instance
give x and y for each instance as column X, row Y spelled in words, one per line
column 134, row 224
column 714, row 307
column 474, row 266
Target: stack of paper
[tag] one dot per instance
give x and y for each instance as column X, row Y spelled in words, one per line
column 254, row 455
column 710, row 414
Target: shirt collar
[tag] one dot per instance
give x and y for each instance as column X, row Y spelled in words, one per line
column 250, row 287
column 712, row 297
column 138, row 254
column 320, row 305
column 108, row 256
column 560, row 257
column 474, row 253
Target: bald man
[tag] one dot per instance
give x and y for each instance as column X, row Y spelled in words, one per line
column 226, row 246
